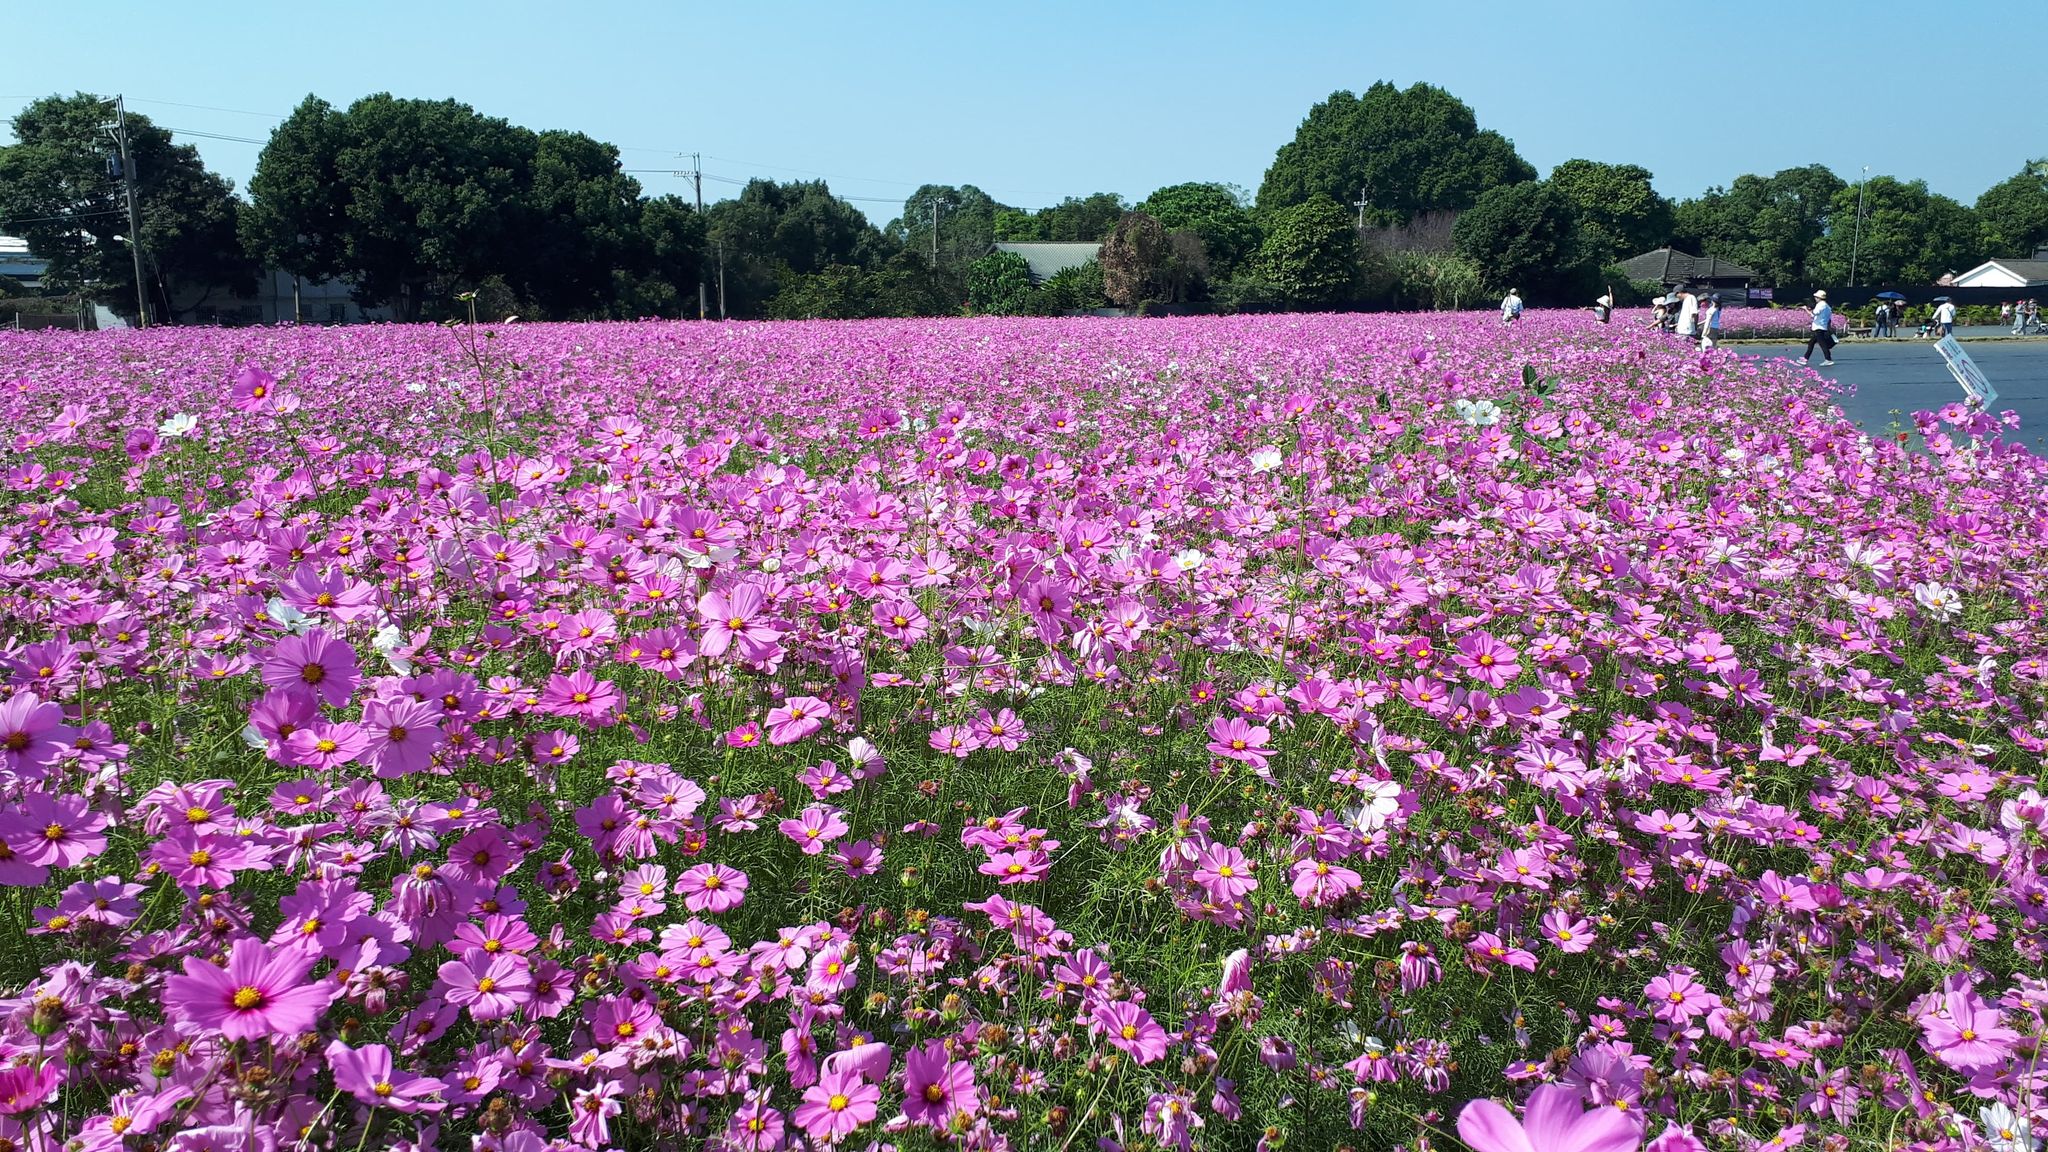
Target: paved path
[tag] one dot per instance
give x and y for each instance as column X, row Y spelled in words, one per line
column 1890, row 379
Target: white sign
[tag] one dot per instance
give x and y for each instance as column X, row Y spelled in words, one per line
column 1975, row 385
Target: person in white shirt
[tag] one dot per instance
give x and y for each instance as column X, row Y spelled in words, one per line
column 1688, row 313
column 1511, row 306
column 1603, row 308
column 1945, row 317
column 1710, row 323
column 1820, row 333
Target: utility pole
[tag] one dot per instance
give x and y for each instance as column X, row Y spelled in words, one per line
column 134, row 224
column 937, row 205
column 1362, row 203
column 721, row 279
column 1856, row 244
column 697, row 177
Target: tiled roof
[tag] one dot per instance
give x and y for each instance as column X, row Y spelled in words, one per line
column 1669, row 266
column 1048, row 257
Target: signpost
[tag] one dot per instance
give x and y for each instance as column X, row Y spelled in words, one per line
column 1759, row 293
column 1976, row 386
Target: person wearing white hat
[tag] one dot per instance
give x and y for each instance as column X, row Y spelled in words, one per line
column 1820, row 333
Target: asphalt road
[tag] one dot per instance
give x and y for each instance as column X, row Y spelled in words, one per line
column 1890, row 379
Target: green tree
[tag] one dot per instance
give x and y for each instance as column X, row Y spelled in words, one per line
column 1527, row 236
column 1436, row 281
column 903, row 286
column 1909, row 236
column 580, row 226
column 1017, row 224
column 1076, row 288
column 55, row 193
column 1083, row 219
column 2014, row 212
column 773, row 231
column 1310, row 254
column 1619, row 213
column 1214, row 212
column 999, row 284
column 967, row 225
column 1766, row 223
column 409, row 200
column 1408, row 150
column 672, row 254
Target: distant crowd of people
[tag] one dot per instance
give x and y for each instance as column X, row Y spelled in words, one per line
column 1683, row 313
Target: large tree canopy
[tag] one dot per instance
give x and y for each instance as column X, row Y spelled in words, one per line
column 1214, row 212
column 1406, row 149
column 1619, row 213
column 2014, row 212
column 1527, row 236
column 1310, row 254
column 1909, row 236
column 59, row 192
column 1768, row 223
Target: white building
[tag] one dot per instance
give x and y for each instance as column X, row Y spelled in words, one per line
column 2007, row 273
column 17, row 263
column 280, row 298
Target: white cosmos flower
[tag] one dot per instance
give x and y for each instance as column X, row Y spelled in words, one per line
column 288, row 617
column 2005, row 1130
column 1266, row 459
column 1189, row 559
column 1382, row 800
column 177, row 427
column 1941, row 603
column 1477, row 413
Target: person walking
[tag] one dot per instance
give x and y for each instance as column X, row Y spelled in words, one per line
column 1511, row 306
column 1881, row 320
column 1820, row 333
column 1710, row 323
column 2005, row 312
column 1945, row 318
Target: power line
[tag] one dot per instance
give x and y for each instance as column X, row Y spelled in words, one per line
column 207, row 108
column 211, row 135
column 11, row 221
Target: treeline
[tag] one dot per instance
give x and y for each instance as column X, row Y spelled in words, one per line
column 1394, row 197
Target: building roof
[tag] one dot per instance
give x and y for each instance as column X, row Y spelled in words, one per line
column 1049, row 257
column 13, row 246
column 1670, row 266
column 2032, row 271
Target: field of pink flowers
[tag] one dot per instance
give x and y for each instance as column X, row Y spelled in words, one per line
column 1270, row 732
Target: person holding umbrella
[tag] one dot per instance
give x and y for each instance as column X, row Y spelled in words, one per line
column 1888, row 313
column 1944, row 316
column 1820, row 333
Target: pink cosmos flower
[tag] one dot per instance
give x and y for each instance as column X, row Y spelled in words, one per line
column 1969, row 1034
column 54, row 831
column 957, row 740
column 1017, row 867
column 1225, row 872
column 1002, row 730
column 324, row 746
column 815, row 828
column 1486, row 659
column 491, row 985
column 32, row 734
column 261, row 993
column 796, row 718
column 1553, row 1122
column 367, row 1074
column 315, row 664
column 1233, row 738
column 712, row 888
column 736, row 616
column 936, row 1089
column 838, row 1104
column 1131, row 1030
column 1570, row 933
column 1676, row 997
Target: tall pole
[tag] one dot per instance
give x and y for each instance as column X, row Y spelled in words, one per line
column 1856, row 243
column 697, row 177
column 1362, row 203
column 134, row 224
column 721, row 279
column 936, row 205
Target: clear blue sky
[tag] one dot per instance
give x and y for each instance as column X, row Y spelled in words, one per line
column 1036, row 101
